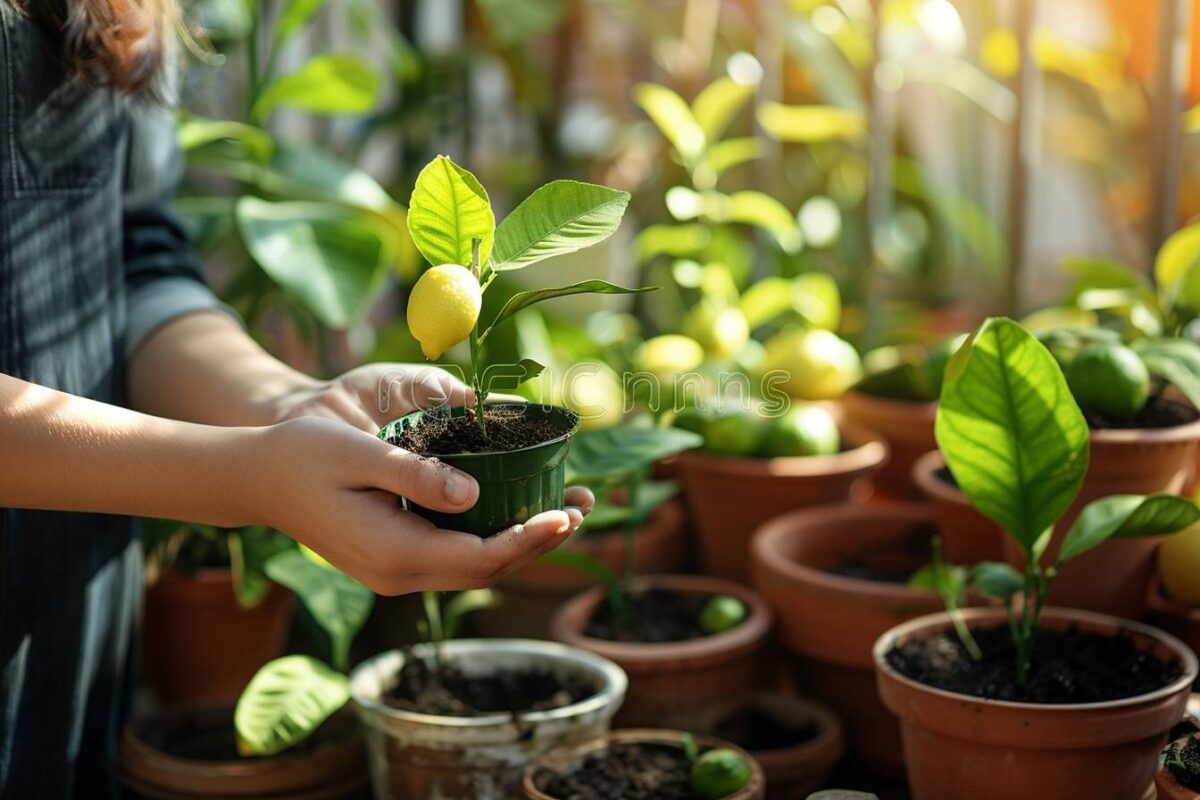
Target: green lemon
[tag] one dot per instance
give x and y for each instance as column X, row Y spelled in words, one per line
column 719, row 773
column 443, row 308
column 735, row 434
column 722, row 332
column 816, row 363
column 801, row 431
column 1109, row 380
column 722, row 613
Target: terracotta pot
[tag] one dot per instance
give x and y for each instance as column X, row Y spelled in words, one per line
column 730, row 497
column 957, row 746
column 418, row 756
column 795, row 771
column 831, row 622
column 333, row 771
column 906, row 426
column 564, row 759
column 189, row 617
column 532, row 594
column 967, row 536
column 690, row 684
column 1168, row 787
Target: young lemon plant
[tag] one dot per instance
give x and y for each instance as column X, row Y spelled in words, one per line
column 452, row 224
column 1017, row 445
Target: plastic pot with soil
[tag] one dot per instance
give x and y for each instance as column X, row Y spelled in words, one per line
column 797, row 742
column 193, row 753
column 1088, row 721
column 643, row 765
column 837, row 578
column 735, row 483
column 460, row 720
column 680, row 675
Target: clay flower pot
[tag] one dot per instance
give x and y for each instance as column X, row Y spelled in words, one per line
column 906, row 426
column 730, row 497
column 190, row 616
column 688, row 684
column 967, row 536
column 564, row 759
column 415, row 756
column 513, row 485
column 830, row 621
column 533, row 593
column 957, row 746
column 150, row 768
column 1168, row 786
column 795, row 770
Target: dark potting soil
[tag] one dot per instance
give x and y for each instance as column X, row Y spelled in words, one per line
column 1158, row 413
column 652, row 616
column 1068, row 666
column 648, row 771
column 213, row 738
column 1184, row 762
column 755, row 729
column 447, row 692
column 896, row 564
column 507, row 430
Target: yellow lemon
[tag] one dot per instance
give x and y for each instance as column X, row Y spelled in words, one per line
column 443, row 308
column 818, row 365
column 722, row 332
column 668, row 356
column 1179, row 566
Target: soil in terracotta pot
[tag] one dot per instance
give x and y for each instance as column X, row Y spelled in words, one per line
column 448, row 692
column 1068, row 666
column 626, row 771
column 212, row 738
column 1158, row 413
column 507, row 430
column 653, row 615
column 894, row 564
column 754, row 730
column 1183, row 760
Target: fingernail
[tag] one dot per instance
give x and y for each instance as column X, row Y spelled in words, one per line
column 458, row 488
column 575, row 516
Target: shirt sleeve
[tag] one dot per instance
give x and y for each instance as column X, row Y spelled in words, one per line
column 163, row 278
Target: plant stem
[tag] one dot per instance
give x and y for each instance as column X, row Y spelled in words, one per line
column 476, row 356
column 433, row 621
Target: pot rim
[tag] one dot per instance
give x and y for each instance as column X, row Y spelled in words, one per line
column 832, row 730
column 612, row 690
column 765, row 545
column 578, row 750
column 870, row 451
column 1175, row 433
column 939, row 621
column 571, row 431
column 924, row 475
column 718, row 646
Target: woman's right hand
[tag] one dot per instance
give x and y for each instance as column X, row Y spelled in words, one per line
column 336, row 489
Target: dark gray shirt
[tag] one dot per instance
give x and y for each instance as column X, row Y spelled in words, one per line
column 91, row 261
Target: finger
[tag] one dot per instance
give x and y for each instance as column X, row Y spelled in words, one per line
column 575, row 518
column 421, row 480
column 580, row 497
column 481, row 561
column 348, row 410
column 435, row 388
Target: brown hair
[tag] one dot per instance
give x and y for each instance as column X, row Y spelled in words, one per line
column 119, row 43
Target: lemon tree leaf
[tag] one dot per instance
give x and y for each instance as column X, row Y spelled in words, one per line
column 337, row 602
column 672, row 240
column 590, row 566
column 1176, row 361
column 507, row 377
column 818, row 300
column 717, row 105
column 326, row 84
column 763, row 211
column 464, row 603
column 559, row 218
column 326, row 257
column 1011, row 431
column 810, row 124
column 724, row 156
column 523, row 300
column 614, row 453
column 285, row 701
column 1126, row 515
column 674, row 118
column 250, row 549
column 995, row 579
column 1174, row 267
column 294, row 16
column 196, row 132
column 449, row 208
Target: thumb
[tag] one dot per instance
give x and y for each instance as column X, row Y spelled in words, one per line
column 420, row 479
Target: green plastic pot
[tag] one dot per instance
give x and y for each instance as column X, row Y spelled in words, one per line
column 513, row 485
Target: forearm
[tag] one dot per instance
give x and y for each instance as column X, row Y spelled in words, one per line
column 204, row 368
column 65, row 453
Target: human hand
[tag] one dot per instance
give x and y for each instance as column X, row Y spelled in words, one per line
column 335, row 489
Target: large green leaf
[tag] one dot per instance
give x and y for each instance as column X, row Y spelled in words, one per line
column 325, row 256
column 449, row 209
column 523, row 300
column 673, row 117
column 1011, row 432
column 294, row 16
column 326, row 84
column 559, row 218
column 607, row 515
column 1173, row 266
column 1176, row 361
column 810, row 124
column 196, row 132
column 612, row 453
column 1126, row 515
column 285, row 702
column 1102, row 273
column 718, row 103
column 337, row 602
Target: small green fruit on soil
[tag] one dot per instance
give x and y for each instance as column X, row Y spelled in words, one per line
column 1109, row 380
column 719, row 773
column 737, row 434
column 802, row 431
column 722, row 613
